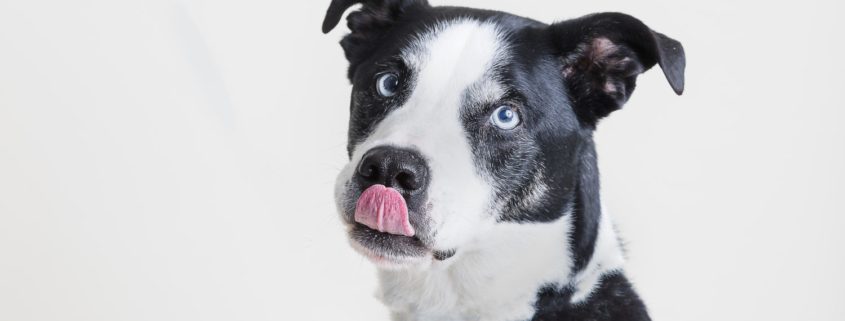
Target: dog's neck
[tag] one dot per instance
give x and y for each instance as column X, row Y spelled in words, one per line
column 499, row 278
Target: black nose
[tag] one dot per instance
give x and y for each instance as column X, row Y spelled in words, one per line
column 402, row 169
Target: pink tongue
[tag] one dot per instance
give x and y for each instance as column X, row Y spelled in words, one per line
column 383, row 209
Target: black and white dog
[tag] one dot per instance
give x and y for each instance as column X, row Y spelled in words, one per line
column 472, row 180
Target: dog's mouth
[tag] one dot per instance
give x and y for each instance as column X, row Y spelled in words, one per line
column 385, row 249
column 381, row 230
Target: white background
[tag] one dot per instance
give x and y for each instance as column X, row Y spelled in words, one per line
column 174, row 160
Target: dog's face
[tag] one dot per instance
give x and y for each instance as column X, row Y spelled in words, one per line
column 462, row 119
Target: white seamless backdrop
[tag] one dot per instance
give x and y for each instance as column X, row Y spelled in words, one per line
column 174, row 160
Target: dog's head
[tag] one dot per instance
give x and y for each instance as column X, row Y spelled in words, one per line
column 461, row 119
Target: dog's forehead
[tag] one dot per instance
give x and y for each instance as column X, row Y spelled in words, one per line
column 457, row 56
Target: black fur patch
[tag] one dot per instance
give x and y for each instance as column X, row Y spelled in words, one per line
column 613, row 300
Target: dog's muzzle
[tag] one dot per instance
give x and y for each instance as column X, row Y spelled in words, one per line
column 390, row 211
column 392, row 179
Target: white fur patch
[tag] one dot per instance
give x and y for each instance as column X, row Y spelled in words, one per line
column 495, row 278
column 607, row 258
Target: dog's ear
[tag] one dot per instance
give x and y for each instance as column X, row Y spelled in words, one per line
column 603, row 53
column 367, row 25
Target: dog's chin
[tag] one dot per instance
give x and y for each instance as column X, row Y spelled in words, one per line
column 385, row 250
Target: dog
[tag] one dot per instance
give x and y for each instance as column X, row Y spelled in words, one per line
column 472, row 180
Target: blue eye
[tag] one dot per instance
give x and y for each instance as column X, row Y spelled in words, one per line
column 505, row 117
column 387, row 84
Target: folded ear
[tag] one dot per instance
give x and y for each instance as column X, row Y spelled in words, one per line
column 368, row 24
column 603, row 53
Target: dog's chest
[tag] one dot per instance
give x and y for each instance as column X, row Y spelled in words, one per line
column 496, row 282
column 456, row 296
